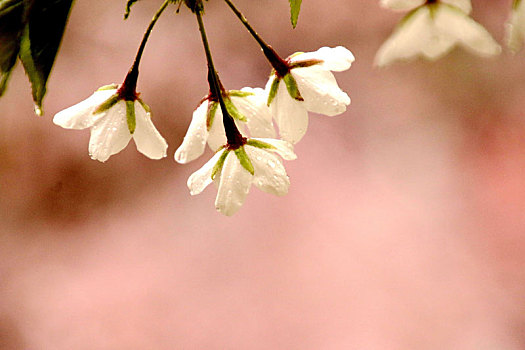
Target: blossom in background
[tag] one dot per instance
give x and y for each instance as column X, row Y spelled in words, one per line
column 432, row 29
column 113, row 122
column 516, row 26
column 406, row 5
column 308, row 86
column 236, row 169
column 247, row 107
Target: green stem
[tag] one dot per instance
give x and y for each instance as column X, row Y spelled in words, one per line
column 280, row 65
column 234, row 137
column 128, row 88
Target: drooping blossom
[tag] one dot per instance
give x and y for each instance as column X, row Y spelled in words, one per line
column 249, row 110
column 307, row 85
column 113, row 122
column 431, row 29
column 235, row 170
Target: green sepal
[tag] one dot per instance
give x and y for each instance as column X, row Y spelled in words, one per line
column 244, row 159
column 408, row 17
column 210, row 116
column 239, row 93
column 305, row 64
column 104, row 106
column 129, row 3
column 130, row 116
column 273, row 89
column 217, row 168
column 259, row 144
column 295, row 8
column 291, row 86
column 145, row 106
column 432, row 9
column 234, row 112
column 515, row 4
column 108, row 87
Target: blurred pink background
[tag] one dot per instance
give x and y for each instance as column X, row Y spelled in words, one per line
column 404, row 227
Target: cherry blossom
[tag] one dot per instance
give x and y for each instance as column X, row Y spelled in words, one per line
column 113, row 122
column 248, row 108
column 309, row 85
column 235, row 170
column 432, row 29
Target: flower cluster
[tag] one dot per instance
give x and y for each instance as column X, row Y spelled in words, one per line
column 238, row 125
column 308, row 85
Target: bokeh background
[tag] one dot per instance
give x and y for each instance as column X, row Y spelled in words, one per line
column 404, row 227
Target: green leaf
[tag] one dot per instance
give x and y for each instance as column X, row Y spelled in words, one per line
column 128, row 8
column 40, row 41
column 295, row 8
column 244, row 159
column 11, row 27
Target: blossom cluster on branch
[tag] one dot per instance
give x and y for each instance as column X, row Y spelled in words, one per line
column 238, row 125
column 250, row 130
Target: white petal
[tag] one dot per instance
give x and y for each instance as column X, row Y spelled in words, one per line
column 336, row 59
column 217, row 135
column 291, row 115
column 110, row 134
column 195, row 139
column 147, row 139
column 402, row 4
column 463, row 5
column 234, row 186
column 320, row 91
column 200, row 179
column 269, row 173
column 415, row 35
column 255, row 109
column 456, row 24
column 80, row 115
column 516, row 28
column 282, row 148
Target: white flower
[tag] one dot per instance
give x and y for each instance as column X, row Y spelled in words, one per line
column 405, row 5
column 235, row 170
column 516, row 26
column 432, row 29
column 113, row 122
column 309, row 86
column 247, row 107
